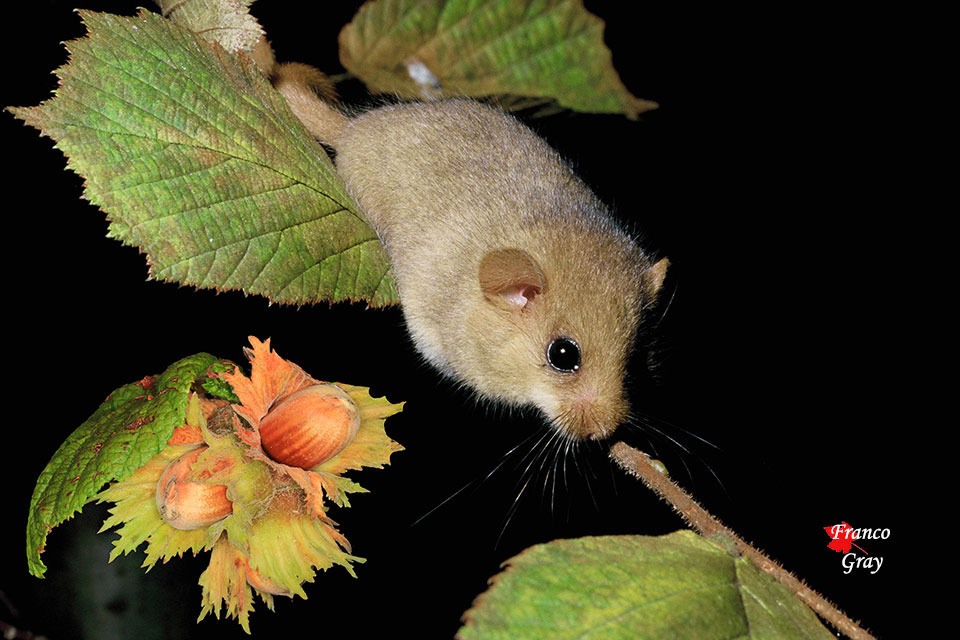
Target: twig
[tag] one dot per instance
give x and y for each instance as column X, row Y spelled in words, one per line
column 639, row 465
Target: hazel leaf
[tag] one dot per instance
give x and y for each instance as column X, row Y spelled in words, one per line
column 550, row 49
column 216, row 386
column 197, row 161
column 132, row 425
column 679, row 585
column 225, row 21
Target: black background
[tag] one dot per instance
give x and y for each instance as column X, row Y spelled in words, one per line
column 767, row 176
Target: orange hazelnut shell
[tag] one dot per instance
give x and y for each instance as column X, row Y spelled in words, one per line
column 310, row 426
column 190, row 505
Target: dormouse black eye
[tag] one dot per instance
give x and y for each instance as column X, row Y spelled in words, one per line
column 563, row 354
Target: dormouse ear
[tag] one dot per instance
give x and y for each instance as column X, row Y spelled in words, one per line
column 510, row 278
column 655, row 276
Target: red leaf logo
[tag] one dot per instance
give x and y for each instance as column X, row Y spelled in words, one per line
column 842, row 537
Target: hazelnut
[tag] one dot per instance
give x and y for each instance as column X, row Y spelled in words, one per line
column 190, row 505
column 310, row 426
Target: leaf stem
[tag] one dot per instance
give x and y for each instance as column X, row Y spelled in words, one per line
column 638, row 464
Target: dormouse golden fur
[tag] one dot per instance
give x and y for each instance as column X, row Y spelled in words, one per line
column 513, row 277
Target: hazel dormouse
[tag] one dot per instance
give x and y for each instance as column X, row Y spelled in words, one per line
column 514, row 278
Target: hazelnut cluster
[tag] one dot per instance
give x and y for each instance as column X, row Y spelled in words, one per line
column 252, row 481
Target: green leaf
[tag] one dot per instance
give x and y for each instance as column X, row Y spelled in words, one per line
column 132, row 425
column 216, row 386
column 198, row 161
column 675, row 586
column 540, row 48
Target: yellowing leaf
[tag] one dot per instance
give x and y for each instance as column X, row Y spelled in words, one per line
column 225, row 21
column 537, row 48
column 197, row 161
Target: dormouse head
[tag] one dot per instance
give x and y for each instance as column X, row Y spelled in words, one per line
column 560, row 331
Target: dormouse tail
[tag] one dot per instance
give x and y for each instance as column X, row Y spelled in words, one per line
column 306, row 90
